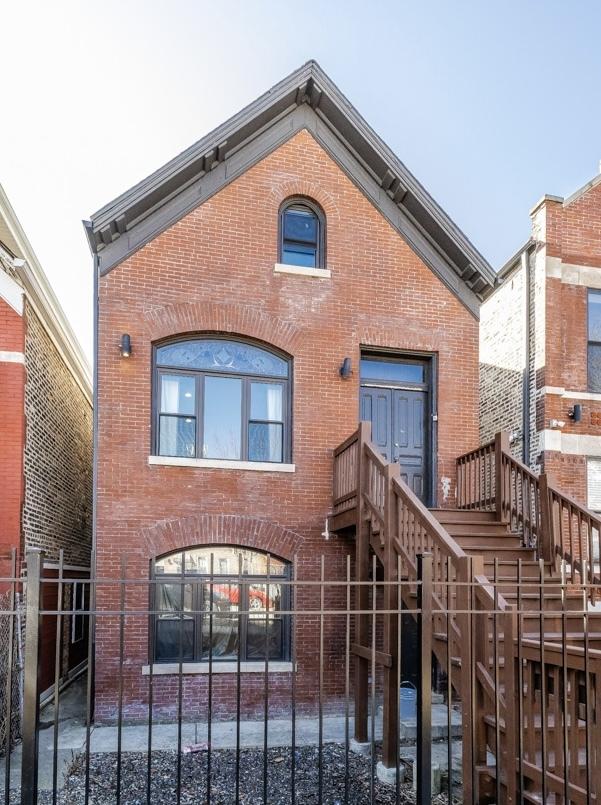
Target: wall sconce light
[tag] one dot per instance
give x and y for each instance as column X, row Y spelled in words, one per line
column 125, row 345
column 575, row 413
column 346, row 370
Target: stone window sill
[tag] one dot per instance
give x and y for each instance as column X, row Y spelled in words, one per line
column 302, row 271
column 170, row 668
column 220, row 464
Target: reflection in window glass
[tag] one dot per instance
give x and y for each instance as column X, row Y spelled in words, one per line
column 177, row 394
column 264, row 629
column 266, row 401
column 300, row 236
column 221, row 640
column 174, row 635
column 396, row 371
column 227, row 384
column 177, row 436
column 594, row 339
column 219, row 615
column 264, row 442
column 594, row 316
column 222, row 421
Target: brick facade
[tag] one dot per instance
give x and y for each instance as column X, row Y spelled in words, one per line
column 564, row 261
column 57, row 503
column 45, row 432
column 213, row 272
column 12, row 422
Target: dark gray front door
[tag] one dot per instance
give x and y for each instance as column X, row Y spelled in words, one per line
column 399, row 418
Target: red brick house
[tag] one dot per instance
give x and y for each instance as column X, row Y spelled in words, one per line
column 256, row 296
column 45, row 439
column 541, row 345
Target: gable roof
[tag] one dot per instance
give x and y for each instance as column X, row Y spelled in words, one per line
column 306, row 99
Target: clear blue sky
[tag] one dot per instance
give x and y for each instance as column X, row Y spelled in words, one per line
column 489, row 104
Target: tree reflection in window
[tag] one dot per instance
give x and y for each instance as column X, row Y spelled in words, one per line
column 235, row 609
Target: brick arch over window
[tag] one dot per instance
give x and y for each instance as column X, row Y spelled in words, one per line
column 196, row 317
column 220, row 529
column 301, row 187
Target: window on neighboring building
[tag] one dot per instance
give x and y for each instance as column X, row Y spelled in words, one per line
column 594, row 341
column 593, row 479
column 236, row 609
column 302, row 234
column 223, row 399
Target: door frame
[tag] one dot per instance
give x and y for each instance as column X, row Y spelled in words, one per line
column 430, row 386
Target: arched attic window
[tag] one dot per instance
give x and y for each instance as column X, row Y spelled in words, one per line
column 221, row 398
column 302, row 234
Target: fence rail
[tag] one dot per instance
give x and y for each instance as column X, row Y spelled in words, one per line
column 227, row 742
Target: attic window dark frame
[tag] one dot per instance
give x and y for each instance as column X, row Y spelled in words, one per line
column 300, row 202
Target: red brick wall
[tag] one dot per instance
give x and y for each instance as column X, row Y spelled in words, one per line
column 213, row 271
column 573, row 234
column 12, row 428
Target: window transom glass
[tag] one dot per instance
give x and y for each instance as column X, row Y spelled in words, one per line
column 222, row 399
column 218, row 602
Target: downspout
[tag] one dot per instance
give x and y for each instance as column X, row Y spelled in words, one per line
column 524, row 257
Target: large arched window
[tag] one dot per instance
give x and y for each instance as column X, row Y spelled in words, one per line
column 302, row 234
column 219, row 398
column 218, row 601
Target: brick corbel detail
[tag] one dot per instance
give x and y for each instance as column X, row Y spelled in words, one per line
column 199, row 317
column 219, row 529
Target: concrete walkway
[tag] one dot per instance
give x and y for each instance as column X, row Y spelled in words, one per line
column 72, row 736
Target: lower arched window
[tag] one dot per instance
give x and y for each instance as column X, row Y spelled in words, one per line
column 219, row 602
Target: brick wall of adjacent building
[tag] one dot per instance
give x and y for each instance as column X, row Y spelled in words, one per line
column 57, row 505
column 213, row 272
column 564, row 261
column 12, row 425
column 572, row 239
column 503, row 322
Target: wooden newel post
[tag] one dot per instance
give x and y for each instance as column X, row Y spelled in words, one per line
column 501, row 446
column 547, row 525
column 361, row 590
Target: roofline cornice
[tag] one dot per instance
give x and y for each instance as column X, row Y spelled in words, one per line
column 44, row 302
column 311, row 86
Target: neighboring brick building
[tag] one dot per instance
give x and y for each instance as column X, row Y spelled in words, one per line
column 45, row 431
column 237, row 280
column 540, row 343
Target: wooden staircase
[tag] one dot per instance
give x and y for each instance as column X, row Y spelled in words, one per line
column 513, row 576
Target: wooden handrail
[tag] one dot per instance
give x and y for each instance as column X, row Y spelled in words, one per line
column 481, row 627
column 549, row 520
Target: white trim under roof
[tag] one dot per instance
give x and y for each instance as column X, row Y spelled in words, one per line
column 43, row 300
column 10, row 291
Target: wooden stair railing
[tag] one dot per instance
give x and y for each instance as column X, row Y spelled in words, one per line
column 490, row 478
column 509, row 684
column 397, row 526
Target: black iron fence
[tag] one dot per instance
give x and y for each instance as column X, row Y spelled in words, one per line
column 240, row 690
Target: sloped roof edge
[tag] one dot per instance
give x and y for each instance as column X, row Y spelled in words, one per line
column 307, row 85
column 40, row 294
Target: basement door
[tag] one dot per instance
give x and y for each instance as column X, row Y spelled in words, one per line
column 395, row 399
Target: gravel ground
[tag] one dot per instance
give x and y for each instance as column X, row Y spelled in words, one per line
column 194, row 779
